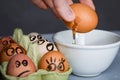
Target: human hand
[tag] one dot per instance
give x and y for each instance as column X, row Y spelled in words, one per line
column 61, row 8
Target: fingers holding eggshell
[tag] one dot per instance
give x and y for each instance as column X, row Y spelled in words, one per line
column 85, row 20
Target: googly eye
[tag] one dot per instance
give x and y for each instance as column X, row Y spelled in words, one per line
column 5, row 42
column 19, row 50
column 32, row 38
column 39, row 37
column 41, row 41
column 9, row 51
column 17, row 63
column 50, row 46
column 25, row 62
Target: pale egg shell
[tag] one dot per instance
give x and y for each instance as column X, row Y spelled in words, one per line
column 54, row 61
column 10, row 50
column 20, row 65
column 34, row 36
column 45, row 46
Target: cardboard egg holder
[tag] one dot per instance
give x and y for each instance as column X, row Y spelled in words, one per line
column 40, row 74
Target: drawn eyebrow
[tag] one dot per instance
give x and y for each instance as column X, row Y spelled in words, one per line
column 51, row 64
column 51, row 60
column 61, row 65
column 47, row 61
column 62, row 60
column 55, row 60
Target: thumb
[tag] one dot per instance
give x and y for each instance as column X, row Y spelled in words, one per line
column 64, row 10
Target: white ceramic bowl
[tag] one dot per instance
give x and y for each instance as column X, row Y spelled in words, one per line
column 92, row 58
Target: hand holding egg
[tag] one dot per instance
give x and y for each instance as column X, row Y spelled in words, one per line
column 86, row 18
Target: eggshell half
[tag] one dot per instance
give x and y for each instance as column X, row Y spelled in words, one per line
column 86, row 18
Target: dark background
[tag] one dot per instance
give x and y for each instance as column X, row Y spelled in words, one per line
column 25, row 15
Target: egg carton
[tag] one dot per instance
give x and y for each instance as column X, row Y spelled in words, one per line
column 40, row 74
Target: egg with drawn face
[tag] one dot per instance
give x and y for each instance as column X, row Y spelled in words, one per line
column 34, row 36
column 20, row 65
column 4, row 41
column 11, row 50
column 54, row 61
column 45, row 46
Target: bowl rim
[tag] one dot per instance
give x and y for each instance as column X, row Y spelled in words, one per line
column 117, row 43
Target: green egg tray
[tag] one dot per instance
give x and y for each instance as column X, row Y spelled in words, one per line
column 32, row 53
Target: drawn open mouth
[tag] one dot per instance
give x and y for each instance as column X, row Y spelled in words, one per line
column 23, row 73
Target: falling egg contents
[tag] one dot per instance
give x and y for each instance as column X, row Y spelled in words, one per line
column 85, row 20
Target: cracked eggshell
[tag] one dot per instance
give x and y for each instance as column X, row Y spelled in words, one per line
column 86, row 18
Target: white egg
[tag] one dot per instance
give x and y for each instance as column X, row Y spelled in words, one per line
column 34, row 36
column 45, row 46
